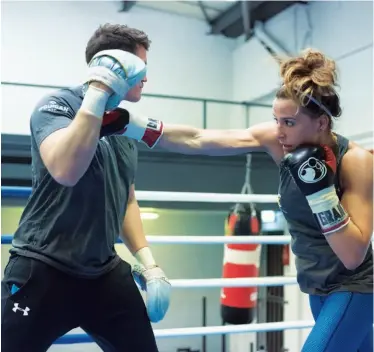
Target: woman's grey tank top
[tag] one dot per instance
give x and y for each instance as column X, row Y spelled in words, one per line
column 319, row 270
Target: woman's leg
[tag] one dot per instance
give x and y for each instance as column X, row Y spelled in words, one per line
column 343, row 323
column 316, row 303
column 367, row 344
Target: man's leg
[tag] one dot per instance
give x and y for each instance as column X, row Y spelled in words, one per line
column 34, row 306
column 115, row 313
column 343, row 323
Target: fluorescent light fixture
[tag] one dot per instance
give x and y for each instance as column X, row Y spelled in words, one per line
column 148, row 216
column 268, row 216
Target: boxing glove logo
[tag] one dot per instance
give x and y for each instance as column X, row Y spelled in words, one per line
column 312, row 171
column 153, row 124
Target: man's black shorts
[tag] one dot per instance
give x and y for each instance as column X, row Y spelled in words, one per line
column 48, row 303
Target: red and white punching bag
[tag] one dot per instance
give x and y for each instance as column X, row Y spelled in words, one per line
column 238, row 304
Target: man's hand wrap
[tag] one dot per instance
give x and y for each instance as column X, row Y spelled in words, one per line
column 313, row 169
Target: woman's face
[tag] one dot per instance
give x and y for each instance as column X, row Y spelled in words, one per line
column 295, row 127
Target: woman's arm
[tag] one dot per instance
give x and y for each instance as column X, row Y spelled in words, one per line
column 190, row 140
column 351, row 242
column 186, row 139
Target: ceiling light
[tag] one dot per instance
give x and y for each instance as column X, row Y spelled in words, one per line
column 267, row 216
column 149, row 216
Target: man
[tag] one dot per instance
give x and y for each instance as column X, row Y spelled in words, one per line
column 63, row 271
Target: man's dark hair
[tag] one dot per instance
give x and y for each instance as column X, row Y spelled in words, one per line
column 116, row 36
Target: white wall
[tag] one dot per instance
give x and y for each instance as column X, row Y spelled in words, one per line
column 342, row 29
column 185, row 61
column 45, row 44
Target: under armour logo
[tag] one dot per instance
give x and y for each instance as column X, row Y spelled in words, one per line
column 16, row 307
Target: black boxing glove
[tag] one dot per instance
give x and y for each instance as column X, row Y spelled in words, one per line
column 141, row 128
column 114, row 122
column 313, row 169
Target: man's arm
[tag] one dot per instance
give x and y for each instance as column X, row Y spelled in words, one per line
column 67, row 152
column 351, row 242
column 149, row 276
column 133, row 233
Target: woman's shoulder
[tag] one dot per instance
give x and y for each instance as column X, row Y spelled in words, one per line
column 355, row 161
column 356, row 154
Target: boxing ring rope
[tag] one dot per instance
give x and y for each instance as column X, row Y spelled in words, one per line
column 24, row 192
column 214, row 283
column 7, row 239
column 206, row 331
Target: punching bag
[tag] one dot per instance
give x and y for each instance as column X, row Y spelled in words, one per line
column 238, row 304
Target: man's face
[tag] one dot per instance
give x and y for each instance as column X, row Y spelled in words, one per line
column 135, row 93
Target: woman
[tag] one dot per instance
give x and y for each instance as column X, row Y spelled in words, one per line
column 325, row 194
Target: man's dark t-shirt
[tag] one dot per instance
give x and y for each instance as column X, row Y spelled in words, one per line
column 74, row 229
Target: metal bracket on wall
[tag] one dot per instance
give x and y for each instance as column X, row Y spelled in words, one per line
column 267, row 41
column 204, row 11
column 246, row 15
column 126, row 6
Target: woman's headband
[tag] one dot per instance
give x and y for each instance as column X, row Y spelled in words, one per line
column 319, row 104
